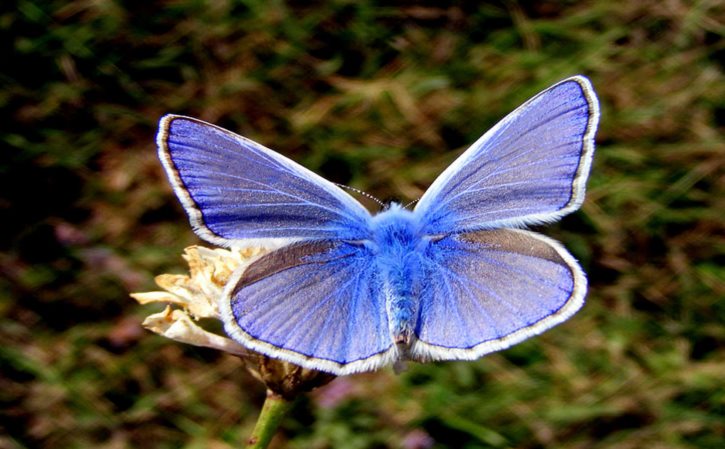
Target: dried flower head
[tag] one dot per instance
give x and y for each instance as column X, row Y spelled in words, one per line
column 192, row 297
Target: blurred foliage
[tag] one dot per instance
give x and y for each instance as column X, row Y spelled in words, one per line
column 380, row 96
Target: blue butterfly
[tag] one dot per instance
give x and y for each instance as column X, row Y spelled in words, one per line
column 347, row 291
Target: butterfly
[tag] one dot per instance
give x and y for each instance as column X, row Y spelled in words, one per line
column 347, row 291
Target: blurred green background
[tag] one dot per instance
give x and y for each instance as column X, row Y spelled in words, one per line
column 381, row 97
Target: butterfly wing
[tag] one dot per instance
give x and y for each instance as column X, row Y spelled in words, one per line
column 488, row 290
column 316, row 304
column 529, row 168
column 239, row 192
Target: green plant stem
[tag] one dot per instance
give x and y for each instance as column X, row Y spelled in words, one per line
column 274, row 410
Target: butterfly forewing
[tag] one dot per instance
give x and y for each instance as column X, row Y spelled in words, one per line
column 239, row 192
column 530, row 168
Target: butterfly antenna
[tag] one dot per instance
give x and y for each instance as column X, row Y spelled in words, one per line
column 411, row 203
column 360, row 192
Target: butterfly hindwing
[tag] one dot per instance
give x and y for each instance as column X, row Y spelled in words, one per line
column 317, row 304
column 238, row 192
column 530, row 168
column 488, row 290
